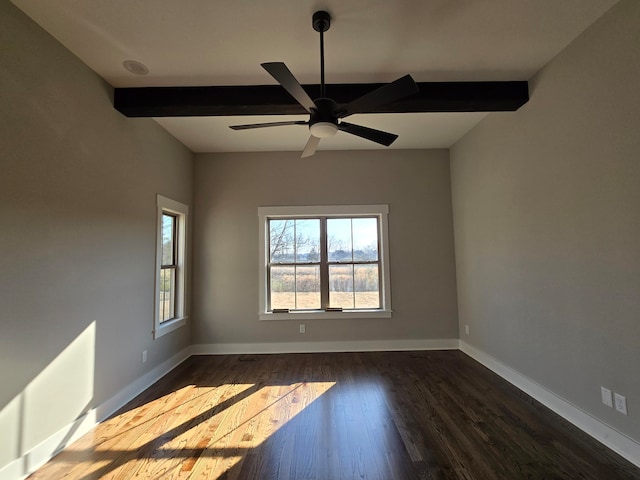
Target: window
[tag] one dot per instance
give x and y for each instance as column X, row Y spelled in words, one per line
column 170, row 266
column 324, row 262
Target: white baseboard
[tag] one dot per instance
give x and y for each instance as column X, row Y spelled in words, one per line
column 618, row 442
column 141, row 384
column 324, row 347
column 47, row 449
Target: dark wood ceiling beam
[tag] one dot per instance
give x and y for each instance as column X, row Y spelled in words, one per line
column 274, row 100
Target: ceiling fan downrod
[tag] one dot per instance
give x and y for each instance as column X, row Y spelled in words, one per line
column 321, row 23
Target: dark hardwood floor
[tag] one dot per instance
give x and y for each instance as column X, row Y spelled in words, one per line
column 394, row 415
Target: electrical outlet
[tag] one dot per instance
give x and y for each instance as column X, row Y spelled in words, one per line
column 466, row 329
column 144, row 356
column 621, row 403
column 302, row 328
column 606, row 397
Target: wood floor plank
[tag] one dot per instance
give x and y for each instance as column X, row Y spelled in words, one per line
column 394, row 415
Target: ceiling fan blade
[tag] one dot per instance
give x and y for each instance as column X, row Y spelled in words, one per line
column 403, row 87
column 310, row 147
column 268, row 124
column 378, row 136
column 283, row 75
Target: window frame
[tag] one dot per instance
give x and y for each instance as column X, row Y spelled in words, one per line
column 180, row 212
column 331, row 211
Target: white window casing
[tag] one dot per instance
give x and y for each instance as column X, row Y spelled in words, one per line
column 283, row 212
column 181, row 212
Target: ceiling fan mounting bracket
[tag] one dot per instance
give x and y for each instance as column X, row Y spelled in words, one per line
column 321, row 21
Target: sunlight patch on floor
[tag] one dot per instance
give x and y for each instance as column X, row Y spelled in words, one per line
column 223, row 438
column 191, row 432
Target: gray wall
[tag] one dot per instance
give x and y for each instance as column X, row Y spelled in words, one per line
column 547, row 224
column 230, row 187
column 78, row 188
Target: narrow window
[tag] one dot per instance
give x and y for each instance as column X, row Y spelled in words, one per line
column 170, row 266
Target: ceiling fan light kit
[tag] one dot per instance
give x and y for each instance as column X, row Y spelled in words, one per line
column 325, row 115
column 323, row 129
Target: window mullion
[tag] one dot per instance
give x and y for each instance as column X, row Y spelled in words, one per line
column 295, row 265
column 379, row 262
column 324, row 265
column 295, row 285
column 353, row 269
column 268, row 262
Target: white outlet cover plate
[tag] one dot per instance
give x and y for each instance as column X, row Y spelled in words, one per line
column 621, row 403
column 606, row 397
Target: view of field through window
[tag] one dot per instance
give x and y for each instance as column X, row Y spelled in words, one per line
column 352, row 263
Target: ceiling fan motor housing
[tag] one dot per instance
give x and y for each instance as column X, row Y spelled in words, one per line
column 324, row 121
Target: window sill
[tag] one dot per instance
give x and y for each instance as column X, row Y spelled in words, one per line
column 169, row 326
column 322, row 315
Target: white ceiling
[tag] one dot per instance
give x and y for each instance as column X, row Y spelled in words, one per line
column 223, row 42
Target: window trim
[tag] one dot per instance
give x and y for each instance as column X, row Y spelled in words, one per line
column 181, row 212
column 380, row 211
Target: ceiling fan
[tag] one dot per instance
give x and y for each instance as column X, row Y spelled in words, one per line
column 325, row 114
